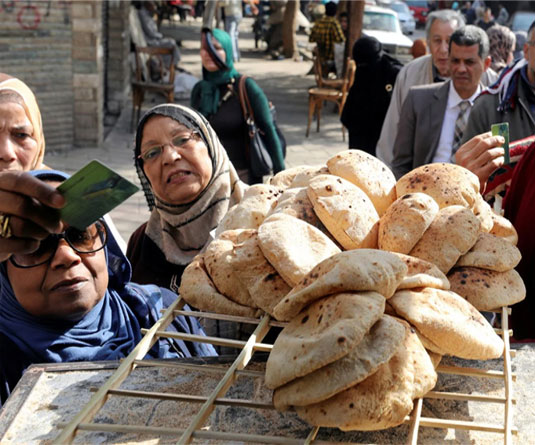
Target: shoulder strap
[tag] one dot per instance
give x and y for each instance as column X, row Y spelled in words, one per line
column 244, row 99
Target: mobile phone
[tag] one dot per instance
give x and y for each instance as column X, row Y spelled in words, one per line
column 502, row 129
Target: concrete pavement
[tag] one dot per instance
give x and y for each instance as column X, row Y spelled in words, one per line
column 285, row 83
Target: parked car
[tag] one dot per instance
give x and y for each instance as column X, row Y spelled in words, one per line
column 521, row 20
column 420, row 9
column 383, row 24
column 408, row 24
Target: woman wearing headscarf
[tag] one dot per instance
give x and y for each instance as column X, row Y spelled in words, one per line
column 216, row 97
column 189, row 184
column 369, row 96
column 72, row 300
column 501, row 47
column 27, row 206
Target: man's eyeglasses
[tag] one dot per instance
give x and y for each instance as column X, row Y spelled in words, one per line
column 89, row 240
column 182, row 140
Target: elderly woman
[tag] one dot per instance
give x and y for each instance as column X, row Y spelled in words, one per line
column 502, row 46
column 189, row 184
column 27, row 206
column 216, row 97
column 72, row 300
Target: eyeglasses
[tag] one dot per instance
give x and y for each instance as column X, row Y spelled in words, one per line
column 183, row 140
column 90, row 240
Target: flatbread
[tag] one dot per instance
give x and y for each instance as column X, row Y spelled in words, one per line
column 354, row 270
column 452, row 233
column 303, row 178
column 491, row 252
column 325, row 331
column 447, row 184
column 293, row 247
column 483, row 212
column 284, row 178
column 199, row 291
column 503, row 228
column 368, row 173
column 421, row 273
column 383, row 399
column 405, row 221
column 265, row 286
column 450, row 322
column 252, row 209
column 487, row 289
column 377, row 347
column 345, row 210
column 223, row 275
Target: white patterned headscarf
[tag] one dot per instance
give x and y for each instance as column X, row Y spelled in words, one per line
column 182, row 230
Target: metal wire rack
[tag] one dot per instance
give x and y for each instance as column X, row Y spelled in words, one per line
column 196, row 429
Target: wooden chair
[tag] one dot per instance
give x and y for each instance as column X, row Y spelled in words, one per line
column 151, row 61
column 324, row 82
column 318, row 95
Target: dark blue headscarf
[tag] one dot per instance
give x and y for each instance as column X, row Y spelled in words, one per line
column 109, row 331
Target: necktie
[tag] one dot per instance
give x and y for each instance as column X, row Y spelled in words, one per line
column 460, row 126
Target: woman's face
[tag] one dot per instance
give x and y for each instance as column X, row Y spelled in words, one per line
column 67, row 287
column 207, row 61
column 181, row 168
column 18, row 148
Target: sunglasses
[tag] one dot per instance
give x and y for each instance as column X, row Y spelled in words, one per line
column 90, row 240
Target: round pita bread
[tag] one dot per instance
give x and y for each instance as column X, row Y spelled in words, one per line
column 452, row 233
column 405, row 221
column 450, row 322
column 483, row 212
column 345, row 210
column 383, row 399
column 421, row 273
column 284, row 178
column 325, row 331
column 252, row 209
column 197, row 289
column 303, row 178
column 487, row 289
column 293, row 247
column 491, row 252
column 223, row 275
column 353, row 270
column 265, row 286
column 377, row 347
column 368, row 173
column 503, row 228
column 447, row 184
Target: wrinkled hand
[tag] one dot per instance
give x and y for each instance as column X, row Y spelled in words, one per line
column 481, row 155
column 32, row 206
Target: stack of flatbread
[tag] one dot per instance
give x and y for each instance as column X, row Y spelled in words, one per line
column 377, row 280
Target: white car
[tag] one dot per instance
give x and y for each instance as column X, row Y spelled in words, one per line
column 383, row 24
column 408, row 24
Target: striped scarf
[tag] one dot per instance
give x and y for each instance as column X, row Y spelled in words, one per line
column 182, row 231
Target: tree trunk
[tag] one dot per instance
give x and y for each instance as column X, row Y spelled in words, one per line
column 289, row 27
column 355, row 13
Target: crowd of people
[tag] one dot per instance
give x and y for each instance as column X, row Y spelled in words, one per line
column 88, row 299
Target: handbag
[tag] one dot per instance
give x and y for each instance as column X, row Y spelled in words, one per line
column 260, row 160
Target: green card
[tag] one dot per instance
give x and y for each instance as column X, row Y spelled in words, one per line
column 92, row 192
column 502, row 130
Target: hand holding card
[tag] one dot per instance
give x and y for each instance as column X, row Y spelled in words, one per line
column 92, row 192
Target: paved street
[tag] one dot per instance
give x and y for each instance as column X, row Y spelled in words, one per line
column 285, row 82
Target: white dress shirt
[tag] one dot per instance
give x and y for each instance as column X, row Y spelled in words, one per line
column 443, row 153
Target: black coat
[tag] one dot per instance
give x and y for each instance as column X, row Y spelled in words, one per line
column 367, row 102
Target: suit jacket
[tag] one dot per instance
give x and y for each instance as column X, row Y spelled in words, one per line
column 419, row 128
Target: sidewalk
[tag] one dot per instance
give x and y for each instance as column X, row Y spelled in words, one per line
column 285, row 83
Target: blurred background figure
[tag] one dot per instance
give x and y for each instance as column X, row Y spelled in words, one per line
column 487, row 20
column 369, row 97
column 419, row 48
column 521, row 38
column 503, row 15
column 469, row 13
column 502, row 44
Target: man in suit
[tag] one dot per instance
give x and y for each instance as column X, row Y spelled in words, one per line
column 434, row 116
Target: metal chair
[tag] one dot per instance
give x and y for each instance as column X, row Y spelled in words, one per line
column 318, row 95
column 155, row 72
